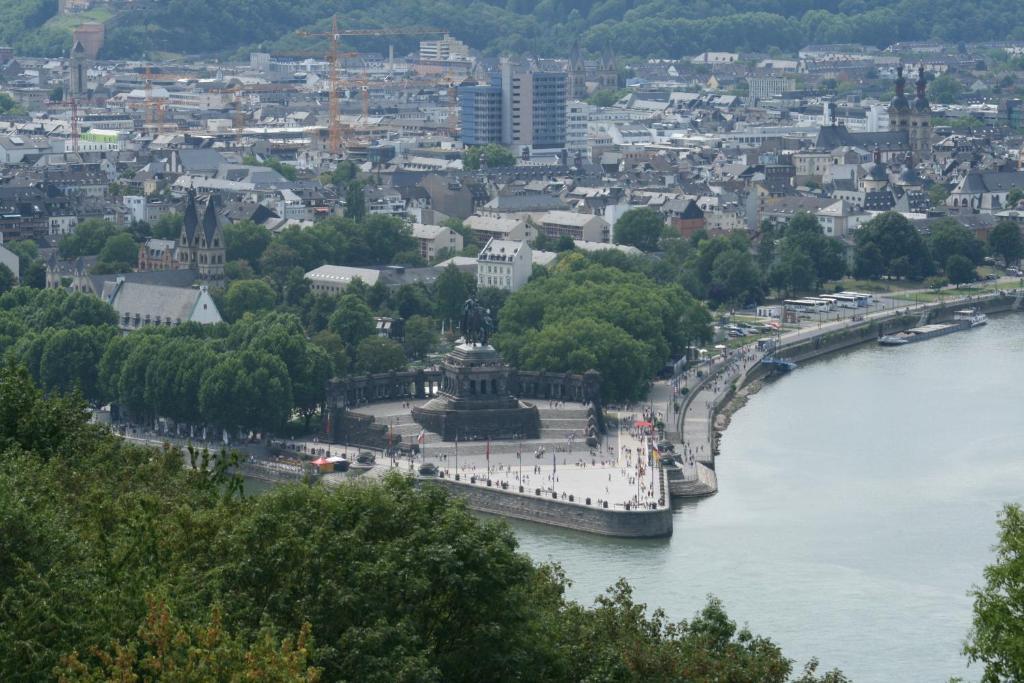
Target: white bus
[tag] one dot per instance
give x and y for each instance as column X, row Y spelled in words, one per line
column 807, row 305
column 842, row 300
column 862, row 299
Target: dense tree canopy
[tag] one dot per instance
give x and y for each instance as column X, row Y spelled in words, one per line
column 1005, row 240
column 640, row 228
column 115, row 561
column 585, row 315
column 645, row 28
column 890, row 245
column 487, row 156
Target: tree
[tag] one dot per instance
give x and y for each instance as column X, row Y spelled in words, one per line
column 355, row 201
column 247, row 389
column 379, row 354
column 332, row 345
column 118, row 255
column 87, row 239
column 944, row 89
column 1014, row 196
column 451, row 289
column 997, row 631
column 937, row 194
column 247, row 296
column 890, row 244
column 487, row 156
column 344, row 172
column 8, row 105
column 352, row 321
column 168, row 226
column 1005, row 240
column 960, row 269
column 640, row 228
column 606, row 97
column 420, row 336
column 245, row 240
column 735, row 279
column 948, row 237
column 7, row 279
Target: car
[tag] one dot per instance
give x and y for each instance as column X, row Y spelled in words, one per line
column 991, row 276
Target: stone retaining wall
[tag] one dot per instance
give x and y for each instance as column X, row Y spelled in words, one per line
column 589, row 518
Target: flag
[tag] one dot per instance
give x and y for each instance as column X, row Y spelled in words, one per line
column 421, row 437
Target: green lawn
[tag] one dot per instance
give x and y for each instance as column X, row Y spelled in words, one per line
column 68, row 22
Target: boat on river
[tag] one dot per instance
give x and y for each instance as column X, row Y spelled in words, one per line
column 972, row 316
column 916, row 334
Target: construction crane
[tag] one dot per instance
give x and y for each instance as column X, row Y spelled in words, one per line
column 333, row 59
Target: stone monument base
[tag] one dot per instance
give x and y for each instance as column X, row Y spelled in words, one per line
column 519, row 422
column 474, row 402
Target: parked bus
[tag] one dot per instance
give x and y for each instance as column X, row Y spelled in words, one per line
column 862, row 299
column 807, row 305
column 842, row 300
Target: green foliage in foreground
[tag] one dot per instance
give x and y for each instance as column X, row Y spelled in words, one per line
column 997, row 637
column 116, row 562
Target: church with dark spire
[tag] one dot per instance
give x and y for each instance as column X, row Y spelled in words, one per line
column 201, row 244
column 913, row 118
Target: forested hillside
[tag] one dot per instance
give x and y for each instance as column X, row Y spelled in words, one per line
column 646, row 28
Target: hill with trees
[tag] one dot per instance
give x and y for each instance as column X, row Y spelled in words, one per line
column 643, row 28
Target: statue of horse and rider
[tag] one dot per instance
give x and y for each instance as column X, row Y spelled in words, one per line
column 476, row 322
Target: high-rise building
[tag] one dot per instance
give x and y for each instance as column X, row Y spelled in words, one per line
column 480, row 113
column 533, row 107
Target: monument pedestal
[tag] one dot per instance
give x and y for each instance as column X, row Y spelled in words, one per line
column 474, row 402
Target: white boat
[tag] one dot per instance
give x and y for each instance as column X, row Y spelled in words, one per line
column 971, row 316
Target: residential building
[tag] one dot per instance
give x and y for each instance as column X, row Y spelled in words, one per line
column 577, row 226
column 158, row 254
column 485, row 228
column 433, row 239
column 504, row 264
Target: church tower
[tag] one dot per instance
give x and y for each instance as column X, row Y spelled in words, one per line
column 576, row 77
column 189, row 229
column 921, row 120
column 78, row 67
column 211, row 251
column 899, row 107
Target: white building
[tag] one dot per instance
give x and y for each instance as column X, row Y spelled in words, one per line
column 8, row 258
column 764, row 87
column 577, row 118
column 504, row 264
column 491, row 227
column 577, row 226
column 332, row 280
column 433, row 239
column 445, row 49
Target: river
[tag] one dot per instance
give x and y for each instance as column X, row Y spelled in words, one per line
column 857, row 508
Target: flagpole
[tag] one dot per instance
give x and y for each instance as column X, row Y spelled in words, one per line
column 488, row 458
